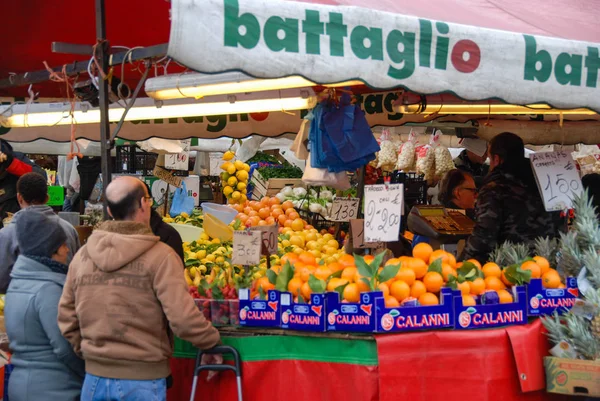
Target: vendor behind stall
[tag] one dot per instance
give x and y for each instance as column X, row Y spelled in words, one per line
column 473, row 158
column 509, row 205
column 458, row 191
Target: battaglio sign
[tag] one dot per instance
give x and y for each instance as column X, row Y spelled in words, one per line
column 327, row 44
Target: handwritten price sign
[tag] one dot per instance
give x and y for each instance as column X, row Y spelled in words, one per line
column 344, row 209
column 246, row 247
column 383, row 212
column 269, row 238
column 179, row 161
column 557, row 179
column 357, row 227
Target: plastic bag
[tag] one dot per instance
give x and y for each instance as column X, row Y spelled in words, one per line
column 323, row 177
column 182, row 202
column 406, row 157
column 443, row 157
column 426, row 162
column 387, row 156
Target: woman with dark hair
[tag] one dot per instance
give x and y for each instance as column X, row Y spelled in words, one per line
column 458, row 191
column 591, row 182
column 509, row 205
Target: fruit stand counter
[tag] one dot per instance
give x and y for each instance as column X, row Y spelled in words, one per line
column 497, row 364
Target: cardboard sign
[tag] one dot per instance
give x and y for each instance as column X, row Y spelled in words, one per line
column 270, row 235
column 246, row 247
column 557, row 178
column 344, row 209
column 179, row 161
column 166, row 176
column 357, row 230
column 383, row 210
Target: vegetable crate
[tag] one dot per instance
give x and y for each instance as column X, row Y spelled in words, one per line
column 572, row 376
column 272, row 186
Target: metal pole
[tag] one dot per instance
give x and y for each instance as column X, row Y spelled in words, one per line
column 103, row 55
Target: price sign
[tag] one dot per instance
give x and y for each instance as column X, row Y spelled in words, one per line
column 383, row 210
column 215, row 161
column 179, row 161
column 357, row 228
column 344, row 209
column 246, row 247
column 557, row 179
column 270, row 235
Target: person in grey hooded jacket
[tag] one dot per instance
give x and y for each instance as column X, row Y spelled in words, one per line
column 32, row 194
column 45, row 365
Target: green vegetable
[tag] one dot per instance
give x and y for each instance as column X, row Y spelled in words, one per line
column 280, row 172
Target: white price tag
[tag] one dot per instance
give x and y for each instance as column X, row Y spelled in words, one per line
column 246, row 247
column 383, row 210
column 357, row 227
column 270, row 236
column 179, row 161
column 215, row 160
column 344, row 209
column 557, row 179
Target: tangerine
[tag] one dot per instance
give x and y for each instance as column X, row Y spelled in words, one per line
column 464, row 287
column 383, row 287
column 475, row 262
column 437, row 254
column 335, row 283
column 452, row 260
column 551, row 279
column 393, row 262
column 335, row 267
column 307, row 258
column 400, row 290
column 505, row 280
column 322, row 272
column 447, row 271
column 407, row 275
column 429, row 299
column 304, row 273
column 468, row 300
column 294, row 215
column 368, row 259
column 287, row 205
column 536, row 271
column 264, row 213
column 297, row 224
column 349, row 273
column 346, row 260
column 422, row 251
column 351, row 293
column 494, row 283
column 391, row 302
column 295, row 286
column 306, row 291
column 417, row 289
column 362, row 286
column 418, row 266
column 505, row 296
column 477, row 286
column 433, row 281
column 289, row 257
column 491, row 269
column 542, row 263
column 265, row 284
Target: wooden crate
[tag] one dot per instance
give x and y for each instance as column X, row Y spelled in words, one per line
column 272, row 186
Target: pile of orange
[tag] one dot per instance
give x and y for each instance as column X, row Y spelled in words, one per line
column 269, row 211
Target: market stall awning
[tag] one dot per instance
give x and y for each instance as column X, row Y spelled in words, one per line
column 384, row 47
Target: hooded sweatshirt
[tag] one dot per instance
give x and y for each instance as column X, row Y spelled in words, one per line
column 9, row 249
column 123, row 288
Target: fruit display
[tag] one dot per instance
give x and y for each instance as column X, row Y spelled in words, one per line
column 195, row 219
column 269, row 211
column 316, row 202
column 234, row 178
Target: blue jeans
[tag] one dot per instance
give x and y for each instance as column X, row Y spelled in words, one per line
column 102, row 389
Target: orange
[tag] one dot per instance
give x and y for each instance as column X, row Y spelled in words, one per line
column 458, row 265
column 505, row 280
column 477, row 286
column 288, row 212
column 306, row 291
column 282, row 218
column 349, row 273
column 505, row 296
column 391, row 302
column 407, row 275
column 294, row 286
column 429, row 299
column 290, row 257
column 297, row 224
column 400, row 290
column 288, row 223
column 270, row 221
column 335, row 283
column 368, row 258
column 265, row 284
column 276, row 268
column 362, row 286
column 264, row 213
column 491, row 269
column 335, row 267
column 419, row 267
column 383, row 287
column 562, row 285
column 451, row 260
column 468, row 300
column 307, row 258
column 433, row 281
column 393, row 262
column 536, row 271
column 448, row 271
column 417, row 289
column 274, row 201
column 275, row 213
column 304, row 273
column 445, row 256
column 542, row 263
column 475, row 262
column 346, row 260
column 351, row 293
column 322, row 272
column 287, row 205
column 422, row 251
column 494, row 283
column 295, row 216
column 551, row 279
column 464, row 287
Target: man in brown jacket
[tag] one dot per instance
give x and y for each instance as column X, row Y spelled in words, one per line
column 122, row 289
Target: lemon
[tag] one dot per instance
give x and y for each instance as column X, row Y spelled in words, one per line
column 204, row 237
column 201, row 254
column 241, row 186
column 285, row 243
column 227, row 190
column 239, row 165
column 231, row 169
column 236, row 195
column 220, row 260
column 216, row 241
column 184, row 215
column 192, row 255
column 232, row 181
column 226, row 167
column 297, row 240
column 247, row 167
column 228, row 155
column 243, row 198
column 242, row 175
column 211, row 258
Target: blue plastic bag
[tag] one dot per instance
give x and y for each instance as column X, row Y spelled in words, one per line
column 182, row 202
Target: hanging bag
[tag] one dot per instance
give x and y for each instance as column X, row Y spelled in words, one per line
column 182, row 202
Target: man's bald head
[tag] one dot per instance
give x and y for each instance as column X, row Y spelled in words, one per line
column 125, row 198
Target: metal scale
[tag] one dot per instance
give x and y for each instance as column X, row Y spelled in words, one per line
column 444, row 227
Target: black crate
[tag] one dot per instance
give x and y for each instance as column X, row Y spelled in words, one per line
column 131, row 161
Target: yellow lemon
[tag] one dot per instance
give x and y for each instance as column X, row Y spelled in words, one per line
column 231, row 169
column 241, row 186
column 236, row 195
column 239, row 165
column 201, row 254
column 232, row 181
column 242, row 175
column 247, row 167
column 227, row 190
column 225, row 166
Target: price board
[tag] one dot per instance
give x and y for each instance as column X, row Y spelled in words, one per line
column 557, row 178
column 344, row 209
column 246, row 247
column 357, row 228
column 179, row 161
column 383, row 211
column 270, row 235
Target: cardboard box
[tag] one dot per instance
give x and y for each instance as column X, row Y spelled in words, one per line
column 488, row 316
column 544, row 301
column 303, row 316
column 158, row 188
column 572, row 376
column 260, row 313
column 352, row 317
